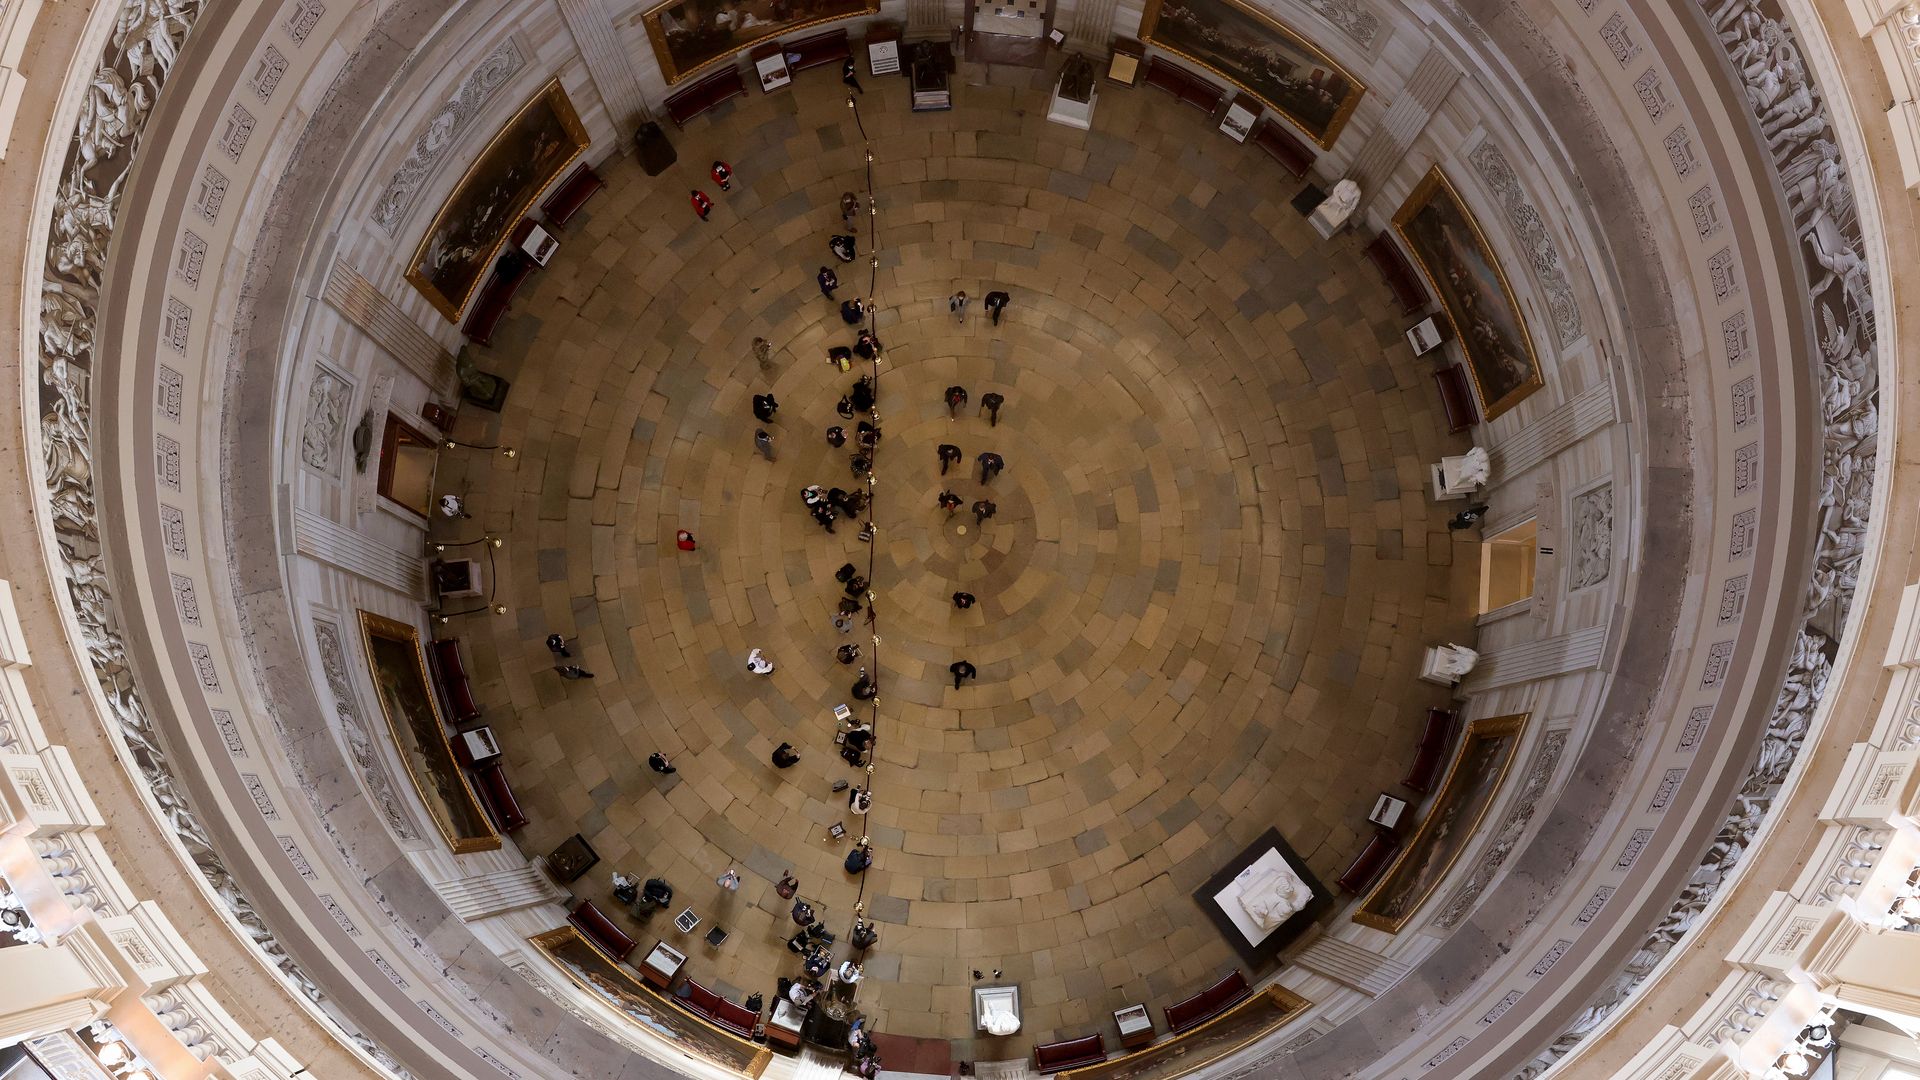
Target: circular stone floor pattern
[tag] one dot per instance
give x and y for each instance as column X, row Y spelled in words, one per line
column 1201, row 605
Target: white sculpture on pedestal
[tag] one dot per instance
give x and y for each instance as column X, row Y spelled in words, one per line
column 1458, row 477
column 1447, row 664
column 1332, row 213
column 996, row 1009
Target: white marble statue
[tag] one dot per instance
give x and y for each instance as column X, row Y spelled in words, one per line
column 1332, row 213
column 1452, row 661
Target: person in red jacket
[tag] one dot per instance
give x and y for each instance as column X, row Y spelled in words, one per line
column 684, row 539
column 723, row 175
column 701, row 204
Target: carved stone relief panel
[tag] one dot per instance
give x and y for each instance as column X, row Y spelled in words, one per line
column 322, row 435
column 1592, row 555
column 1531, row 233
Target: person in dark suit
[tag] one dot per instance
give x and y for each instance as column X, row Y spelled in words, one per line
column 956, row 397
column 949, row 454
column 963, row 600
column 983, row 510
column 996, row 303
column 784, row 757
column 764, row 406
column 847, row 76
column 990, row 465
column 961, row 670
column 990, row 404
column 828, row 280
column 852, row 311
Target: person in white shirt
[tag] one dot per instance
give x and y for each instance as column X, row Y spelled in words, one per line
column 759, row 664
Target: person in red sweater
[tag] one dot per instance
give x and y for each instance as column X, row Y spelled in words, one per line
column 701, row 204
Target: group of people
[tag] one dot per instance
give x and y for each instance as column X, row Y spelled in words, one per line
column 722, row 174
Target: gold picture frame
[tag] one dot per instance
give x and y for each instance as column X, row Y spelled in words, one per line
column 530, row 152
column 398, row 668
column 1473, row 781
column 1445, row 238
column 698, row 39
column 1264, row 1012
column 588, row 967
column 1203, row 31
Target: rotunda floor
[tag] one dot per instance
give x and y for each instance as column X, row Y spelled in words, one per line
column 1201, row 605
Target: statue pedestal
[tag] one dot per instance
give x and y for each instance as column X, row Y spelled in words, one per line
column 1459, row 477
column 1445, row 665
column 1074, row 114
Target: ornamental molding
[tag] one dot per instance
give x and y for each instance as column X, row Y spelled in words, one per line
column 443, row 130
column 1543, row 255
column 140, row 55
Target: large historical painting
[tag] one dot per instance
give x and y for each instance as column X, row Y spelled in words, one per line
column 399, row 672
column 1261, row 55
column 1255, row 1018
column 688, row 35
column 615, row 984
column 1453, row 253
column 1472, row 780
column 457, row 252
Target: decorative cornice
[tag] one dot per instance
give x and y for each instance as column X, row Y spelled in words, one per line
column 127, row 82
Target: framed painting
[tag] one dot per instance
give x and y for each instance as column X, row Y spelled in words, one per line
column 399, row 671
column 1486, row 751
column 1453, row 253
column 457, row 252
column 691, row 35
column 1261, row 1015
column 1261, row 55
column 616, row 985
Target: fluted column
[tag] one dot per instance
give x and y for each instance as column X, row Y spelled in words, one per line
column 53, row 987
column 366, row 307
column 1406, row 118
column 1092, row 24
column 609, row 65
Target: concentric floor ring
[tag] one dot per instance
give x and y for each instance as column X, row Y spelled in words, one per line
column 1201, row 603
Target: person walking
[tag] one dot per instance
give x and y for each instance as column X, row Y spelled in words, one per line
column 842, row 246
column 957, row 305
column 802, row 913
column 701, row 204
column 983, row 510
column 949, row 501
column 956, row 397
column 961, row 670
column 949, row 454
column 722, row 174
column 764, row 406
column 963, row 600
column 729, row 881
column 847, row 76
column 763, row 352
column 828, row 281
column 996, row 303
column 758, row 663
column 684, row 540
column 788, row 884
column 990, row 404
column 990, row 465
column 823, row 514
column 784, row 757
column 849, row 208
column 852, row 311
column 572, row 671
column 763, row 442
column 557, row 645
column 658, row 762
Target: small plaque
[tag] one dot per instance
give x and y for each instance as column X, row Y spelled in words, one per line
column 686, row 921
column 837, row 830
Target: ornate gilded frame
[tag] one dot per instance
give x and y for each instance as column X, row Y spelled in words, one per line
column 1139, row 1064
column 1150, row 20
column 555, row 97
column 650, row 18
column 758, row 1055
column 1435, row 183
column 372, row 626
column 1512, row 727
